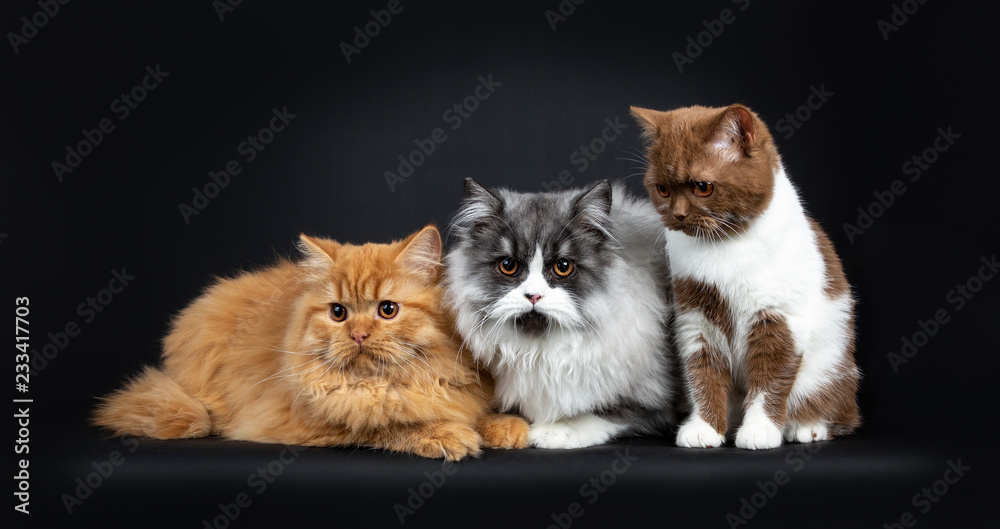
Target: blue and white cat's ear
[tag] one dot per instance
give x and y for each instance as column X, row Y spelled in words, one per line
column 475, row 192
column 317, row 254
column 592, row 209
column 421, row 254
column 480, row 206
column 733, row 134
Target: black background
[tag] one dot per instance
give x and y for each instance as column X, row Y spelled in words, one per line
column 324, row 174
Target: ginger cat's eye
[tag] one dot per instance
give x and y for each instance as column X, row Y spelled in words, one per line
column 563, row 267
column 703, row 189
column 388, row 309
column 338, row 312
column 662, row 190
column 509, row 266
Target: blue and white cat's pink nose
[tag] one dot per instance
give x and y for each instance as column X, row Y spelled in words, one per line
column 533, row 298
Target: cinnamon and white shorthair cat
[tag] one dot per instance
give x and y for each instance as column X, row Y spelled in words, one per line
column 764, row 324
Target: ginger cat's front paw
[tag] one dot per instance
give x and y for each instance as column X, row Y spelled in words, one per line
column 452, row 441
column 504, row 431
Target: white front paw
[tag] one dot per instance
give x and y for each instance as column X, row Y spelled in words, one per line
column 553, row 435
column 696, row 433
column 577, row 432
column 806, row 433
column 758, row 434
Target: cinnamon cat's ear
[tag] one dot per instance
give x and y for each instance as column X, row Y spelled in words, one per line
column 317, row 253
column 647, row 120
column 733, row 133
column 421, row 253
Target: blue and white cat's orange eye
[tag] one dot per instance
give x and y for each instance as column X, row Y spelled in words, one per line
column 388, row 309
column 703, row 189
column 338, row 312
column 508, row 266
column 563, row 267
column 662, row 190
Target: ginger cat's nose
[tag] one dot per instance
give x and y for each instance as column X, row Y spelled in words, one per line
column 359, row 337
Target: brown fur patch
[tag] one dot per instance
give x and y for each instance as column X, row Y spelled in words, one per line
column 730, row 148
column 709, row 384
column 836, row 403
column 771, row 364
column 693, row 295
column 836, row 281
column 260, row 356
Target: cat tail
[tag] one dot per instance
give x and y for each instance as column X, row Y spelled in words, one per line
column 153, row 405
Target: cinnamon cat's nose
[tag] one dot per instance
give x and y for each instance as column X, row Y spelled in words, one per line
column 359, row 337
column 680, row 216
column 533, row 298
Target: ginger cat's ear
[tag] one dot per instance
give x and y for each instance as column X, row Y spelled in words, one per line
column 734, row 132
column 318, row 254
column 647, row 120
column 421, row 253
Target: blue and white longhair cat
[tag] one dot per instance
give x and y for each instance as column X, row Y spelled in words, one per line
column 566, row 297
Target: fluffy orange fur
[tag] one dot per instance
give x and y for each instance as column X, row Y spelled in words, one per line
column 263, row 357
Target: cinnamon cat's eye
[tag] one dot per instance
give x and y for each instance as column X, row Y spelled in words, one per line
column 338, row 312
column 508, row 266
column 662, row 190
column 563, row 267
column 703, row 189
column 388, row 309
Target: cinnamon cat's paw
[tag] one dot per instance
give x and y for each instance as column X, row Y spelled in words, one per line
column 759, row 434
column 806, row 433
column 451, row 441
column 696, row 433
column 504, row 431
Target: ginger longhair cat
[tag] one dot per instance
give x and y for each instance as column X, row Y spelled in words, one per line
column 764, row 324
column 349, row 345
